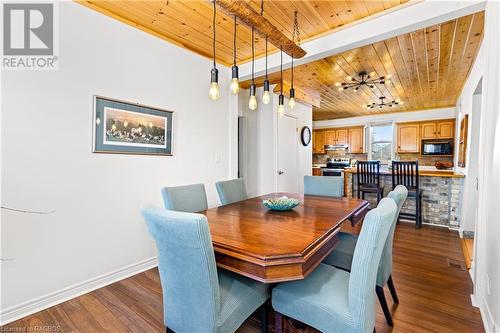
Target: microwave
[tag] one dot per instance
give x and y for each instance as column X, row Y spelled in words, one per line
column 437, row 147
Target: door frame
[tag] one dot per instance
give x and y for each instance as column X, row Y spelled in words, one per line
column 277, row 155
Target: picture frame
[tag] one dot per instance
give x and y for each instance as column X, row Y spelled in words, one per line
column 121, row 127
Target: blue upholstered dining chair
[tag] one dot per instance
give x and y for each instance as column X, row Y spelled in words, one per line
column 333, row 300
column 342, row 256
column 231, row 190
column 324, row 185
column 198, row 297
column 189, row 198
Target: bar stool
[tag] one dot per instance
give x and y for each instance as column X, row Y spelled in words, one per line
column 406, row 173
column 368, row 176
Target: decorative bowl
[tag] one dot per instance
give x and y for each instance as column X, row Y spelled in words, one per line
column 281, row 203
column 443, row 165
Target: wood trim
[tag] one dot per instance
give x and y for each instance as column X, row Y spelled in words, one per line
column 263, row 27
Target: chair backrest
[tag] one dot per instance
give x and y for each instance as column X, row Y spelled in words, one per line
column 365, row 263
column 324, row 185
column 186, row 262
column 231, row 190
column 399, row 194
column 189, row 198
column 368, row 173
column 405, row 173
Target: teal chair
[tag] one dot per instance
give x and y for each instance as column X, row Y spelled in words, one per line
column 333, row 300
column 324, row 186
column 188, row 199
column 231, row 191
column 198, row 297
column 342, row 256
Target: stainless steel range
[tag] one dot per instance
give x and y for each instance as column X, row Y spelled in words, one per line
column 335, row 167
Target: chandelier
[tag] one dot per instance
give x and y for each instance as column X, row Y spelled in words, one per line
column 364, row 79
column 383, row 104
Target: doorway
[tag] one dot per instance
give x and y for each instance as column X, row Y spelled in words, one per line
column 288, row 172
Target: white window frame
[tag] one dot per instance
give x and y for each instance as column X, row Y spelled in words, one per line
column 370, row 136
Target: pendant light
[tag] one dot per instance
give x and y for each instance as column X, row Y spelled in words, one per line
column 295, row 35
column 235, row 86
column 252, row 102
column 213, row 92
column 281, row 98
column 266, row 96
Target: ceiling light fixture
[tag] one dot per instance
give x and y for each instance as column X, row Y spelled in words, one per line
column 252, row 102
column 213, row 92
column 295, row 35
column 383, row 104
column 266, row 96
column 365, row 79
column 235, row 86
column 281, row 98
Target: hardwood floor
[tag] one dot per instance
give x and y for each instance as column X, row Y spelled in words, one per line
column 433, row 288
column 468, row 250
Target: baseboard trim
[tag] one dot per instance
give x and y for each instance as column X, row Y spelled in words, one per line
column 41, row 303
column 488, row 321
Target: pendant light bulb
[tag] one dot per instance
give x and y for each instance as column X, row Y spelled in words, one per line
column 266, row 96
column 252, row 102
column 213, row 92
column 281, row 105
column 291, row 101
column 235, row 85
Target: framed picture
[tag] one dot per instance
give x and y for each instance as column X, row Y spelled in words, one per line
column 128, row 128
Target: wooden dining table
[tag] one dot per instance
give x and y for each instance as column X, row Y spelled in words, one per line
column 276, row 246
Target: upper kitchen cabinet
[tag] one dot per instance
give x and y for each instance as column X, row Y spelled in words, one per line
column 318, row 142
column 342, row 136
column 440, row 129
column 445, row 129
column 357, row 140
column 408, row 138
column 429, row 130
column 330, row 137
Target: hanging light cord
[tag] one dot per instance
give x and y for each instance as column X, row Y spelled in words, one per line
column 262, row 14
column 253, row 54
column 234, row 41
column 281, row 69
column 295, row 35
column 213, row 26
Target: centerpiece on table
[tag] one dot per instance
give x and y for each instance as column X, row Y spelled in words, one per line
column 281, row 203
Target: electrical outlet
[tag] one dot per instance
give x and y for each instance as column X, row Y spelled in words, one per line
column 488, row 287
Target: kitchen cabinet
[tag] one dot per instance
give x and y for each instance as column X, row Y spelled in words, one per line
column 408, row 138
column 330, row 137
column 318, row 142
column 316, row 172
column 342, row 136
column 428, row 130
column 440, row 129
column 445, row 129
column 356, row 140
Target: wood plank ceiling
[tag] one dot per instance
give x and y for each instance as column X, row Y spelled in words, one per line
column 189, row 23
column 428, row 69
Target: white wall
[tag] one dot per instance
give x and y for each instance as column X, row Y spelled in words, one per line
column 388, row 117
column 487, row 241
column 47, row 163
column 261, row 148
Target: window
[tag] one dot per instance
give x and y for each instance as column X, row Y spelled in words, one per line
column 381, row 143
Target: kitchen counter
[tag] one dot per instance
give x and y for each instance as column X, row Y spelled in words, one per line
column 423, row 171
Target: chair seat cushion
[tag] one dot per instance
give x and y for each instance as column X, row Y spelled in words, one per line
column 239, row 298
column 320, row 300
column 342, row 254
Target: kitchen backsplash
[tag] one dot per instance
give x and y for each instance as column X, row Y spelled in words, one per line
column 322, row 158
column 422, row 160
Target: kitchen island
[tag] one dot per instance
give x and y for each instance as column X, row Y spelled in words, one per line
column 442, row 189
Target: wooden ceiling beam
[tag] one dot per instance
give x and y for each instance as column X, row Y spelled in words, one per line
column 251, row 18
